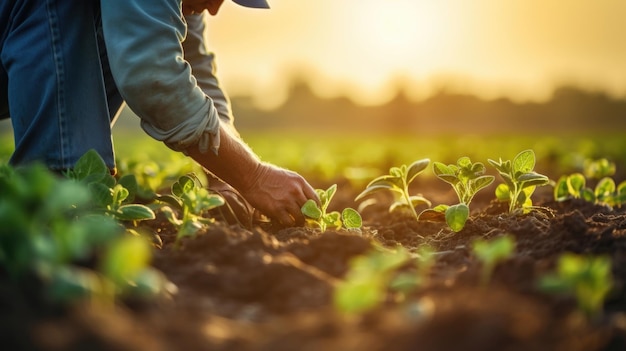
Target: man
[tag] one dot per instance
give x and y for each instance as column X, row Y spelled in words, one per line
column 67, row 66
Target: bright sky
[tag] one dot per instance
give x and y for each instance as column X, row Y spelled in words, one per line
column 360, row 47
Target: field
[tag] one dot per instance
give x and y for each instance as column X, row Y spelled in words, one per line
column 271, row 288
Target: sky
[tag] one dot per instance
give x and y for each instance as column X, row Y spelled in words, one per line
column 365, row 48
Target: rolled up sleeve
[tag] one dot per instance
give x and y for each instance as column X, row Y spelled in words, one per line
column 144, row 45
column 202, row 60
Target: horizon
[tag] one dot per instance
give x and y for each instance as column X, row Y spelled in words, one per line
column 360, row 48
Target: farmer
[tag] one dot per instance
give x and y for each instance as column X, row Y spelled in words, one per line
column 67, row 66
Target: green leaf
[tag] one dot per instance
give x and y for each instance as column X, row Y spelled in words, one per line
column 356, row 296
column 102, row 194
column 90, row 165
column 330, row 192
column 451, row 179
column 311, row 210
column 588, row 195
column 533, row 179
column 129, row 182
column 332, row 219
column 464, row 162
column 126, row 258
column 351, row 218
column 482, row 182
column 605, row 188
column 524, row 162
column 575, row 184
column 456, row 216
column 371, row 190
column 184, row 185
column 416, row 168
column 171, row 200
column 561, row 191
column 69, row 283
column 441, row 169
column 134, row 212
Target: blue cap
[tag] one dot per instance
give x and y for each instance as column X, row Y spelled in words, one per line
column 259, row 4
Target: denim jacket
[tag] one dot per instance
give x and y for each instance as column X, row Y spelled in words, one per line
column 151, row 49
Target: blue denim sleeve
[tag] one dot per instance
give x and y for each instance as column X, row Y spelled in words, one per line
column 202, row 61
column 144, row 46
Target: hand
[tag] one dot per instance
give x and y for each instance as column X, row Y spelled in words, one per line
column 279, row 194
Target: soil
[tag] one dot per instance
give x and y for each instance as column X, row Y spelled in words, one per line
column 271, row 289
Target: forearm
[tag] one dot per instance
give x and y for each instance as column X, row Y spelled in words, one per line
column 234, row 162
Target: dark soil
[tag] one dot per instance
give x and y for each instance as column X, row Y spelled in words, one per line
column 271, row 289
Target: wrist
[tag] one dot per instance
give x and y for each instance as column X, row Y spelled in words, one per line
column 251, row 179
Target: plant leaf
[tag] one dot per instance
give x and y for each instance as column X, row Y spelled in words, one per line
column 575, row 184
column 90, row 165
column 533, row 179
column 482, row 182
column 351, row 218
column 134, row 212
column 456, row 216
column 416, row 168
column 524, row 162
column 311, row 210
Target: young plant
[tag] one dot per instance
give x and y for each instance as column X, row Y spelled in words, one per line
column 587, row 278
column 113, row 197
column 318, row 216
column 375, row 275
column 598, row 169
column 368, row 279
column 492, row 252
column 520, row 180
column 467, row 179
column 398, row 181
column 604, row 193
column 192, row 201
column 49, row 228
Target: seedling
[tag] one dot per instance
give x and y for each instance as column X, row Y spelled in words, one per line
column 111, row 196
column 405, row 282
column 317, row 215
column 372, row 276
column 192, row 201
column 587, row 278
column 492, row 252
column 398, row 181
column 49, row 228
column 598, row 169
column 604, row 193
column 467, row 179
column 520, row 180
column 366, row 283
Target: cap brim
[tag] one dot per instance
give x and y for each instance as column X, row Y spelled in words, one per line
column 259, row 4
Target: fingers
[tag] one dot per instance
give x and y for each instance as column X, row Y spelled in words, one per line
column 290, row 215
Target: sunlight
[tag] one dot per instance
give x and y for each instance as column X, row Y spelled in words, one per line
column 400, row 28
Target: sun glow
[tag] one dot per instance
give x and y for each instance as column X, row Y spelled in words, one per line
column 361, row 47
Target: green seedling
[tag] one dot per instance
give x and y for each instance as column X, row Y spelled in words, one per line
column 492, row 252
column 114, row 197
column 467, row 179
column 318, row 215
column 49, row 228
column 598, row 169
column 406, row 282
column 191, row 203
column 587, row 278
column 373, row 276
column 520, row 180
column 398, row 181
column 368, row 279
column 604, row 193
